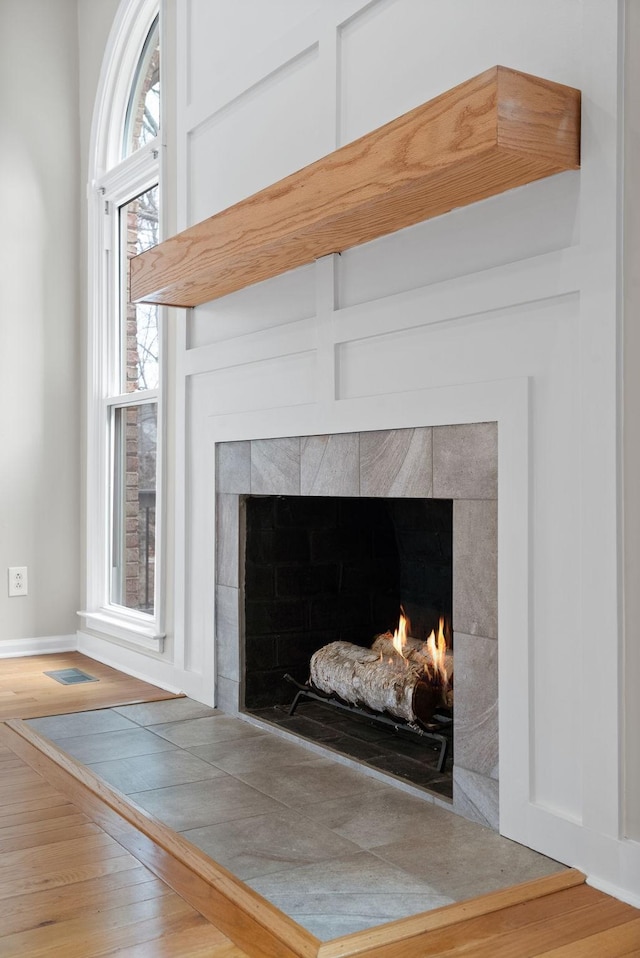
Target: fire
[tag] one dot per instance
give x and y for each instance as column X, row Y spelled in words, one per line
column 430, row 656
column 400, row 634
column 436, row 650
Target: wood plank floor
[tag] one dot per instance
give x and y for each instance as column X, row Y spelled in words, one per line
column 26, row 692
column 79, row 878
column 69, row 889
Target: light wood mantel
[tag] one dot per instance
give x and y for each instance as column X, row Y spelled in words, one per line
column 497, row 131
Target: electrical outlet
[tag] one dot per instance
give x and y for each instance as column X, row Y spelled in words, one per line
column 18, row 584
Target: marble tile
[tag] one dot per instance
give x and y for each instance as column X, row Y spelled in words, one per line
column 171, row 710
column 275, row 467
column 142, row 772
column 202, row 731
column 465, row 461
column 256, row 753
column 227, row 617
column 396, row 462
column 476, row 797
column 461, row 859
column 222, row 799
column 233, row 467
column 330, row 465
column 228, row 540
column 386, row 815
column 476, row 715
column 309, row 783
column 345, row 913
column 509, row 867
column 80, row 723
column 228, row 693
column 269, row 843
column 104, row 746
column 475, row 567
column 360, row 887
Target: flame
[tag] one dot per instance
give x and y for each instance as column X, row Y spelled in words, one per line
column 436, row 649
column 400, row 634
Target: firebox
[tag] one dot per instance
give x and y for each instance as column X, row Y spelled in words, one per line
column 333, row 574
column 321, row 541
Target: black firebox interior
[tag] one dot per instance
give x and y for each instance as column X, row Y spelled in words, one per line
column 322, row 569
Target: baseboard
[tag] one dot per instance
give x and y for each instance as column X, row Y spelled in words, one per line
column 147, row 668
column 41, row 645
column 615, row 891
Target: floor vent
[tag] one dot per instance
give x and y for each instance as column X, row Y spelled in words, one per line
column 71, row 676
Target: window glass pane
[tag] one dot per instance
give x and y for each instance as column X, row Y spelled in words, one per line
column 139, row 326
column 143, row 110
column 135, row 431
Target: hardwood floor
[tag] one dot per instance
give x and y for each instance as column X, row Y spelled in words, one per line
column 83, row 874
column 26, row 692
column 69, row 889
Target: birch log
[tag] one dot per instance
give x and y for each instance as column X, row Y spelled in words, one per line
column 361, row 677
column 414, row 650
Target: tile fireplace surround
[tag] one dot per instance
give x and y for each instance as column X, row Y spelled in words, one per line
column 442, row 462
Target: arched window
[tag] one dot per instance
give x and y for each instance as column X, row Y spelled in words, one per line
column 123, row 596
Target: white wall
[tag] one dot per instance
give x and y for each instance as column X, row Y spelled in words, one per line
column 505, row 310
column 40, row 359
column 418, row 328
column 631, row 446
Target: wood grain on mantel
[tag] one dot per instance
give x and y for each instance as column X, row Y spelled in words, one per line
column 497, row 131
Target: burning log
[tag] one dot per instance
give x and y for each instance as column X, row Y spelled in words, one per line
column 420, row 656
column 364, row 677
column 431, row 656
column 413, row 651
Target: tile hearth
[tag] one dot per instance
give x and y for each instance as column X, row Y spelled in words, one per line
column 331, row 847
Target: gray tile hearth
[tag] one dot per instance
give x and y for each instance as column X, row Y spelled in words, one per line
column 331, row 847
column 201, row 731
column 251, row 847
column 207, row 802
column 360, row 890
column 104, row 746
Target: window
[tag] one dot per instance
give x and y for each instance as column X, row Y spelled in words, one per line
column 142, row 121
column 125, row 406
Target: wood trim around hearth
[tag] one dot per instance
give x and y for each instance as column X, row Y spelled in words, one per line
column 247, row 919
column 499, row 130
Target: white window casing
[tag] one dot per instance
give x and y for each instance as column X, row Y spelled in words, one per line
column 113, row 182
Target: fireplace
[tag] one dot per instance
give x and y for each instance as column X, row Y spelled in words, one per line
column 327, row 570
column 400, row 490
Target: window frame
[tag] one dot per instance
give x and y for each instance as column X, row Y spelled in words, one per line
column 115, row 182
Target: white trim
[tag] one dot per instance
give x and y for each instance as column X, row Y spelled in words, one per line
column 622, row 894
column 130, row 29
column 134, row 628
column 157, row 671
column 114, row 181
column 41, row 645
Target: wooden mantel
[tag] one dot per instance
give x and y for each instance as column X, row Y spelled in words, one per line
column 499, row 130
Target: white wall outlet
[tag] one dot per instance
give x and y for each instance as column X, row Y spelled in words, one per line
column 18, row 584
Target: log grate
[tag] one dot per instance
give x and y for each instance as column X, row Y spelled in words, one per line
column 438, row 731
